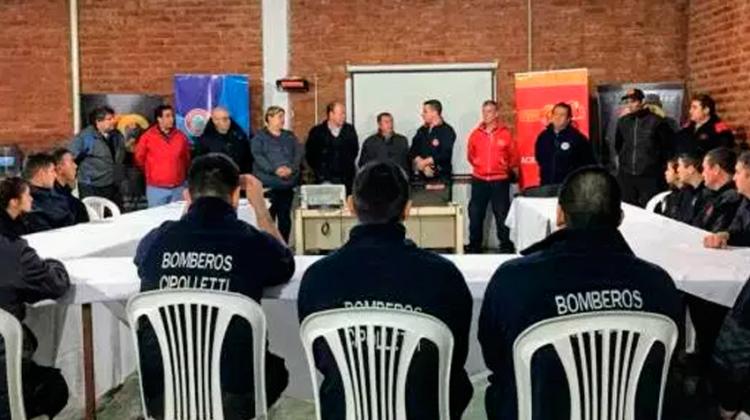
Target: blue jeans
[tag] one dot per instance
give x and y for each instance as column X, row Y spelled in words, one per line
column 157, row 196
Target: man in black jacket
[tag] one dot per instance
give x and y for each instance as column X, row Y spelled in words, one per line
column 691, row 191
column 561, row 149
column 223, row 135
column 66, row 170
column 705, row 131
column 720, row 199
column 332, row 148
column 738, row 233
column 50, row 209
column 386, row 144
column 378, row 267
column 644, row 143
column 730, row 367
column 585, row 267
column 229, row 255
column 25, row 278
column 431, row 154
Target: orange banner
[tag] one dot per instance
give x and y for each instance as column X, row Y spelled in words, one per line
column 536, row 95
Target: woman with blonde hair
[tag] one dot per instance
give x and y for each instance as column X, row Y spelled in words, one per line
column 278, row 156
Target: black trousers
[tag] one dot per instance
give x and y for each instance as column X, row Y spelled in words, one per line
column 281, row 209
column 111, row 192
column 45, row 392
column 637, row 189
column 482, row 194
column 707, row 319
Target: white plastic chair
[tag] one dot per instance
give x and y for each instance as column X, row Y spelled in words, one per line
column 12, row 334
column 655, row 200
column 191, row 351
column 389, row 340
column 96, row 207
column 577, row 338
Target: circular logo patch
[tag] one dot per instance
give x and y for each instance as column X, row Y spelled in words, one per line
column 565, row 145
column 435, row 142
column 195, row 121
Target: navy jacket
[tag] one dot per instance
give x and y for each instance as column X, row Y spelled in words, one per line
column 559, row 154
column 717, row 208
column 76, row 206
column 730, row 373
column 234, row 143
column 437, row 143
column 567, row 273
column 210, row 248
column 739, row 229
column 380, row 268
column 49, row 211
column 271, row 152
column 714, row 133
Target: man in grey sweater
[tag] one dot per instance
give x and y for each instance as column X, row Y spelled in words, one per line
column 278, row 156
column 386, row 145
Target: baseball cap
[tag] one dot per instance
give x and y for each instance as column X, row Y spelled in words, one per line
column 635, row 94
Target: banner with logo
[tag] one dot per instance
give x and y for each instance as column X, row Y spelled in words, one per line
column 195, row 95
column 666, row 98
column 536, row 95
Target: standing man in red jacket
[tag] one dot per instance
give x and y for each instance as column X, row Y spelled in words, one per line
column 163, row 153
column 494, row 158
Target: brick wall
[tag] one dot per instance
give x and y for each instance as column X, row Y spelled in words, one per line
column 134, row 46
column 35, row 105
column 618, row 41
column 719, row 57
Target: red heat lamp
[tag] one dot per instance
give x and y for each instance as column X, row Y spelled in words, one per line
column 293, row 84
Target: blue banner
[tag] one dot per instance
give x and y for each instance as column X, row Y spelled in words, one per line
column 195, row 95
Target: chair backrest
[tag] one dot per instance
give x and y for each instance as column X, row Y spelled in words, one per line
column 624, row 340
column 190, row 326
column 97, row 207
column 12, row 334
column 655, row 200
column 373, row 349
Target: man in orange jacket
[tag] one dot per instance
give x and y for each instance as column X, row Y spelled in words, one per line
column 494, row 158
column 163, row 153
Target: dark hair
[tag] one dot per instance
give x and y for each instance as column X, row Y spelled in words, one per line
column 213, row 175
column 380, row 193
column 565, row 106
column 35, row 163
column 744, row 159
column 100, row 113
column 11, row 188
column 689, row 159
column 59, row 154
column 383, row 115
column 724, row 157
column 331, row 106
column 489, row 102
column 706, row 101
column 673, row 161
column 591, row 198
column 434, row 104
column 159, row 111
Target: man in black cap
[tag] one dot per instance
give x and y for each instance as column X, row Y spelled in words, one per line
column 644, row 143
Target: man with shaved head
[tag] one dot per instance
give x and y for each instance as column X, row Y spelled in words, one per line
column 332, row 147
column 224, row 135
column 586, row 266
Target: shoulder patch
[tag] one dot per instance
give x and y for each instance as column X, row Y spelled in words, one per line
column 721, row 126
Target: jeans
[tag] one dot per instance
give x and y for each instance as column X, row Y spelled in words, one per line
column 281, row 209
column 157, row 196
column 482, row 193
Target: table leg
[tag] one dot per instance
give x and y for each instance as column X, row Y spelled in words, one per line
column 88, row 362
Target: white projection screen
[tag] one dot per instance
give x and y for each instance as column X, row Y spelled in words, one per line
column 401, row 90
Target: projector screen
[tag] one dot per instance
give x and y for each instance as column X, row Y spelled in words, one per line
column 401, row 90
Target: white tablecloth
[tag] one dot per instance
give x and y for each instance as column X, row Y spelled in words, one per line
column 714, row 275
column 114, row 280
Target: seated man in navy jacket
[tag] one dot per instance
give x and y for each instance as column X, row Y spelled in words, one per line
column 50, row 209
column 210, row 248
column 584, row 267
column 380, row 268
